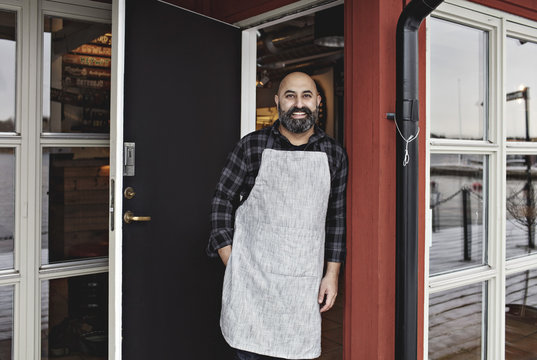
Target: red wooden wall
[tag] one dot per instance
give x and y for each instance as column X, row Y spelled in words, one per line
column 370, row 141
column 231, row 11
column 370, row 27
column 235, row 10
column 524, row 8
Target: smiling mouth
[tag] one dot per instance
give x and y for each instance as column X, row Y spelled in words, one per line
column 299, row 114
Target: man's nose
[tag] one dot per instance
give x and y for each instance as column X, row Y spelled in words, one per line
column 299, row 103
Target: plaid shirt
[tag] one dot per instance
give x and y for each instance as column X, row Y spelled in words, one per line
column 238, row 178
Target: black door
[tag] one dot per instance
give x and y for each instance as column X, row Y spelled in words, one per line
column 182, row 110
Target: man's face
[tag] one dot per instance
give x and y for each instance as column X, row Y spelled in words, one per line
column 298, row 103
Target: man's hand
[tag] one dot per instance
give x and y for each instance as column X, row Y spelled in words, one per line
column 329, row 286
column 224, row 253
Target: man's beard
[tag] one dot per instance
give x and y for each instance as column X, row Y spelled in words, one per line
column 298, row 126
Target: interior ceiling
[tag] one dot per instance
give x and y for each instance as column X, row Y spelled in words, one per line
column 290, row 46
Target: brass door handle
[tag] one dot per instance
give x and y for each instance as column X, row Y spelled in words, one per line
column 129, row 217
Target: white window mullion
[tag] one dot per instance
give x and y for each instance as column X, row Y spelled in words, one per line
column 497, row 317
column 428, row 219
column 28, row 265
column 22, row 345
column 497, row 200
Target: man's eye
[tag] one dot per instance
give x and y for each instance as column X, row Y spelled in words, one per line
column 289, row 96
column 307, row 95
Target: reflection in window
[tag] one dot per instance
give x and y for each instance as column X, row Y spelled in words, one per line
column 459, row 208
column 74, row 318
column 75, row 203
column 6, row 322
column 521, row 87
column 459, row 73
column 8, row 73
column 7, row 207
column 76, row 76
column 521, row 316
column 521, row 204
column 456, row 323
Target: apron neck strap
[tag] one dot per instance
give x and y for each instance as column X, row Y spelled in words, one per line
column 270, row 140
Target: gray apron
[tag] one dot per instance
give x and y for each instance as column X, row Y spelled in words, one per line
column 272, row 279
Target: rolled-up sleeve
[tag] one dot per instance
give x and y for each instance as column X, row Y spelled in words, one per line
column 335, row 246
column 226, row 199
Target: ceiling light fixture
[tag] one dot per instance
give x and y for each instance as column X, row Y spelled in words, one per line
column 329, row 27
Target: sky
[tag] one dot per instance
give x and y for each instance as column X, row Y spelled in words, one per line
column 8, row 75
column 7, row 79
column 459, row 72
column 458, row 69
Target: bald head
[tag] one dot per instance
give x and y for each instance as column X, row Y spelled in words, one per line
column 297, row 79
column 297, row 101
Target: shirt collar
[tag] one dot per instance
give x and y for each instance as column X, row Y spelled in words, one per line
column 318, row 133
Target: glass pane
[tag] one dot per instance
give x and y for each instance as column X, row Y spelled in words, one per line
column 456, row 328
column 75, row 203
column 521, row 205
column 521, row 316
column 459, row 73
column 76, row 76
column 6, row 322
column 7, row 207
column 459, row 208
column 521, row 77
column 8, row 69
column 74, row 318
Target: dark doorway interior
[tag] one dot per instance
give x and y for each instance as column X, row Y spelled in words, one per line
column 312, row 44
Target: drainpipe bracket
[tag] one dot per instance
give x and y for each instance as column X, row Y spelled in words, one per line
column 411, row 110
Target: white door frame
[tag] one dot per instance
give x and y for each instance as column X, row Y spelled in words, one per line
column 249, row 51
column 116, row 181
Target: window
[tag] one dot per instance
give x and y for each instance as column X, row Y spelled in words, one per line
column 482, row 175
column 54, row 176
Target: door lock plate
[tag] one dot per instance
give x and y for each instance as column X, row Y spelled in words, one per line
column 128, row 159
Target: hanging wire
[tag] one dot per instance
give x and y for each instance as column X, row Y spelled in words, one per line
column 411, row 138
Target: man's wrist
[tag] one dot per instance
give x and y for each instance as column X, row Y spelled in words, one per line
column 224, row 253
column 224, row 249
column 332, row 269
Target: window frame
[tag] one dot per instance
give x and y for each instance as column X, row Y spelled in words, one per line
column 27, row 141
column 500, row 25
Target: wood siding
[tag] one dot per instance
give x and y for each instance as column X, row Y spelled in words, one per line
column 524, row 8
column 231, row 11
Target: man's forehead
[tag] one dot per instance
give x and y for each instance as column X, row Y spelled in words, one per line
column 298, row 83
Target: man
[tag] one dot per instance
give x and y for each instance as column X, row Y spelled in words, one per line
column 278, row 215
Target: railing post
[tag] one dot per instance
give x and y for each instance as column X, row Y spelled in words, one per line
column 467, row 223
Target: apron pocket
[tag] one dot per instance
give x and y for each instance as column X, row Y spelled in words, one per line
column 283, row 250
column 278, row 311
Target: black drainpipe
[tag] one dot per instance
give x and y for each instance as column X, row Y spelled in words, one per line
column 407, row 119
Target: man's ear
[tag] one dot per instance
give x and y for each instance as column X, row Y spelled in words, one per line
column 318, row 99
column 276, row 99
